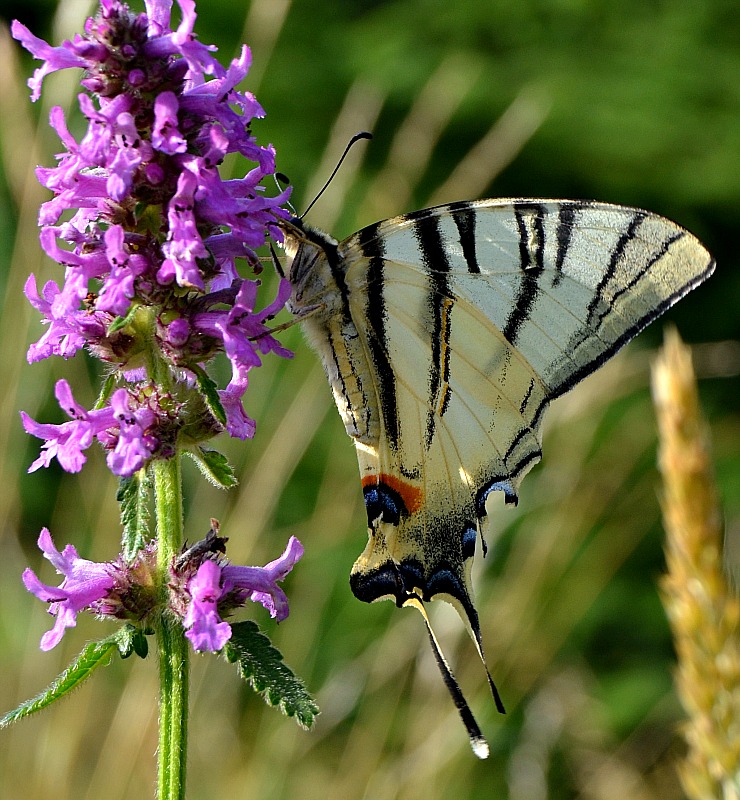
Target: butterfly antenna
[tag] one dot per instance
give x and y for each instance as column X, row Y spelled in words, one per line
column 350, row 144
column 281, row 181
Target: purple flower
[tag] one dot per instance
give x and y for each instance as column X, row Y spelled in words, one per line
column 205, row 628
column 243, row 332
column 108, row 589
column 126, row 267
column 217, row 589
column 85, row 583
column 54, row 58
column 165, row 135
column 67, row 332
column 136, row 443
column 259, row 584
column 125, row 429
column 184, row 245
column 238, row 423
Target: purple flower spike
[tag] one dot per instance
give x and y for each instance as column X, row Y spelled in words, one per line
column 85, row 583
column 150, row 236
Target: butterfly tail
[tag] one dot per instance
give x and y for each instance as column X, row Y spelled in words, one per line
column 470, row 617
column 478, row 742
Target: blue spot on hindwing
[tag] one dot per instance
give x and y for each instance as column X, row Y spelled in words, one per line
column 495, row 485
column 385, row 503
column 470, row 534
column 444, row 580
column 412, row 573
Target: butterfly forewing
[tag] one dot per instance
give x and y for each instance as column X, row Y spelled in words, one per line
column 445, row 333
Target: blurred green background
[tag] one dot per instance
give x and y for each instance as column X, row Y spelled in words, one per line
column 633, row 102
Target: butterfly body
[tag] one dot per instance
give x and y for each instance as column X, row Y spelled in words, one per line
column 444, row 335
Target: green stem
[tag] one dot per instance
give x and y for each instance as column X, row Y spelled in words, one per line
column 173, row 650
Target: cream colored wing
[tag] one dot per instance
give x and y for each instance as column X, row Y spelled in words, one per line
column 444, row 335
column 472, row 317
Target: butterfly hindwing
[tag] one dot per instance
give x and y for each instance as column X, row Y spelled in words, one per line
column 444, row 334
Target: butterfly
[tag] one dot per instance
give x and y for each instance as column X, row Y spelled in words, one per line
column 445, row 334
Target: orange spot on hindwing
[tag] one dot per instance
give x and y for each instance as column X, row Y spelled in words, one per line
column 390, row 498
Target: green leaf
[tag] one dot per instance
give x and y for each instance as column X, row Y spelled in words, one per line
column 106, row 390
column 209, row 391
column 130, row 640
column 122, row 322
column 215, row 467
column 133, row 495
column 93, row 656
column 262, row 667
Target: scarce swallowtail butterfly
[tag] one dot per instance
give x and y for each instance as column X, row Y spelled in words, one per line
column 445, row 334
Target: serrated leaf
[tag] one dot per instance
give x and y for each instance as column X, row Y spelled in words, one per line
column 92, row 656
column 209, row 392
column 133, row 495
column 262, row 667
column 215, row 467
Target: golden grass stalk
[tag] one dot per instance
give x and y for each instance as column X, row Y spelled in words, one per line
column 703, row 611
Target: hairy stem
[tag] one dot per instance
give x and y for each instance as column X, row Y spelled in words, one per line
column 173, row 651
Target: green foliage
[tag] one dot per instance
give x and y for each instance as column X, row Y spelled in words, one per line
column 215, row 467
column 208, row 389
column 134, row 495
column 261, row 665
column 121, row 322
column 109, row 384
column 129, row 640
column 126, row 641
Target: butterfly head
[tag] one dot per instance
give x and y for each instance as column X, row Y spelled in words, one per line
column 311, row 262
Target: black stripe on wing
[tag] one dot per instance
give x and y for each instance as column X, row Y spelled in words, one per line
column 639, row 324
column 433, row 252
column 665, row 247
column 563, row 233
column 464, row 215
column 615, row 258
column 372, row 248
column 531, row 227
